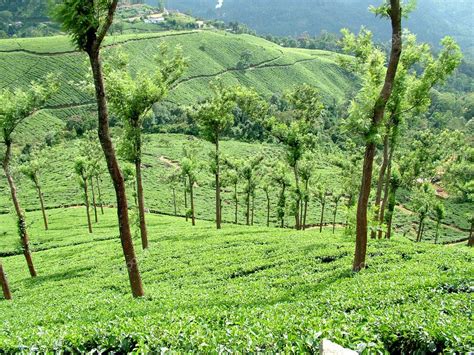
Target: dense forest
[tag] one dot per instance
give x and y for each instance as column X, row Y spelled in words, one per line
column 178, row 178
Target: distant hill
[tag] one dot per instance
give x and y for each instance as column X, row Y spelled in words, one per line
column 212, row 54
column 432, row 20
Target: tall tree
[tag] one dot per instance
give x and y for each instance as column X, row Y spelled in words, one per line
column 215, row 117
column 294, row 129
column 82, row 169
column 248, row 173
column 423, row 201
column 190, row 167
column 32, row 169
column 322, row 194
column 306, row 171
column 439, row 214
column 418, row 72
column 282, row 179
column 15, row 107
column 131, row 97
column 232, row 178
column 336, row 199
column 370, row 104
column 88, row 22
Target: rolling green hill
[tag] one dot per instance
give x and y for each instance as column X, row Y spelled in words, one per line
column 241, row 289
column 212, row 54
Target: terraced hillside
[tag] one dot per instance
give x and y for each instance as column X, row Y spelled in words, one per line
column 211, row 54
column 241, row 289
column 163, row 151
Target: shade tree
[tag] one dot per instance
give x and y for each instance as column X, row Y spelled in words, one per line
column 83, row 170
column 215, row 117
column 16, row 106
column 424, row 199
column 87, row 22
column 295, row 129
column 131, row 96
column 190, row 167
column 32, row 169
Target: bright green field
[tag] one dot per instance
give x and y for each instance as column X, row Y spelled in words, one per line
column 60, row 186
column 241, row 289
column 211, row 54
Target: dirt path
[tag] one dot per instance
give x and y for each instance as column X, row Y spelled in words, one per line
column 168, row 162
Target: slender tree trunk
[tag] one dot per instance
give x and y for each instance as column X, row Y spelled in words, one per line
column 437, row 231
column 253, row 209
column 334, row 219
column 191, row 193
column 141, row 203
column 470, row 243
column 174, row 202
column 4, row 282
column 116, row 175
column 268, row 208
column 101, row 203
column 247, row 214
column 186, row 199
column 86, row 196
column 379, row 110
column 236, row 200
column 25, row 243
column 380, row 184
column 305, row 213
column 420, row 227
column 388, row 176
column 218, row 188
column 283, row 191
column 322, row 217
column 94, row 204
column 43, row 210
column 298, row 198
column 422, row 231
column 391, row 211
column 135, row 193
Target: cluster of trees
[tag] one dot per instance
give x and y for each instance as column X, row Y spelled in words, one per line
column 377, row 120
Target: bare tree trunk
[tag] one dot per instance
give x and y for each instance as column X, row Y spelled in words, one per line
column 141, row 203
column 116, row 175
column 247, row 214
column 218, row 188
column 420, row 227
column 94, row 204
column 379, row 110
column 437, row 231
column 298, row 198
column 4, row 281
column 174, row 202
column 86, row 196
column 305, row 213
column 470, row 243
column 236, row 200
column 43, row 210
column 268, row 208
column 25, row 243
column 186, row 199
column 191, row 193
column 99, row 195
column 380, row 184
column 322, row 217
column 386, row 190
column 334, row 219
column 253, row 209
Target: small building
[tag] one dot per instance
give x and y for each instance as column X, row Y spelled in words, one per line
column 155, row 18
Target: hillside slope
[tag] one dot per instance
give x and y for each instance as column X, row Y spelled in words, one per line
column 241, row 289
column 271, row 69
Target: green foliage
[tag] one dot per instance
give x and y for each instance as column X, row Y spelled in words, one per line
column 459, row 176
column 244, row 289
